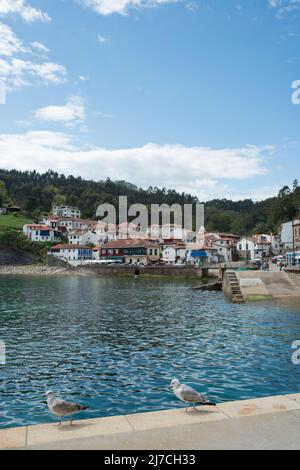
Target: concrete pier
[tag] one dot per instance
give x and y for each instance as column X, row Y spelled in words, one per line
column 264, row 423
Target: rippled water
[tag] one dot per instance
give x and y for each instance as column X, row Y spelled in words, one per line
column 114, row 344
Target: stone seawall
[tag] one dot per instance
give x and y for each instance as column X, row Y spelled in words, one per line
column 294, row 275
column 129, row 271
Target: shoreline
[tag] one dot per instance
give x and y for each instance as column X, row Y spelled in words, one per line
column 37, row 270
column 245, row 424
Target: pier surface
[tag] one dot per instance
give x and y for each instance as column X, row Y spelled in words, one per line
column 264, row 423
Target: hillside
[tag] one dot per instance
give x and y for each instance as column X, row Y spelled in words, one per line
column 36, row 193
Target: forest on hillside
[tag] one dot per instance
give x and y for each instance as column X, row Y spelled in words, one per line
column 36, row 193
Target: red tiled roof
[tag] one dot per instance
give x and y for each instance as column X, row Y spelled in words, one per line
column 130, row 243
column 41, row 227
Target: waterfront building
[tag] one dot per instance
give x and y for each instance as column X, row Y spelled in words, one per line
column 257, row 247
column 69, row 252
column 296, row 227
column 173, row 253
column 131, row 251
column 201, row 254
column 286, row 236
column 41, row 233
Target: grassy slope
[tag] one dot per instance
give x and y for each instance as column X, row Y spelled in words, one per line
column 12, row 221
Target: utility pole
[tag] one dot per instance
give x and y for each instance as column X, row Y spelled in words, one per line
column 294, row 254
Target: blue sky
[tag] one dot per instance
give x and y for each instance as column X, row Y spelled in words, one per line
column 188, row 94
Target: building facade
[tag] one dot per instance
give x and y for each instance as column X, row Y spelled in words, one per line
column 41, row 233
column 66, row 211
column 69, row 252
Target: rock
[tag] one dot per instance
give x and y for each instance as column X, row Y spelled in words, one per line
column 216, row 286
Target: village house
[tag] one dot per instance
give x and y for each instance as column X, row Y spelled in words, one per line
column 106, row 232
column 72, row 253
column 131, row 251
column 286, row 237
column 96, row 254
column 200, row 254
column 67, row 224
column 225, row 244
column 173, row 253
column 297, row 234
column 41, row 233
column 256, row 247
column 84, row 237
column 66, row 211
column 129, row 230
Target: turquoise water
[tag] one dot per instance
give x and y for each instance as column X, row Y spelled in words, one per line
column 114, row 344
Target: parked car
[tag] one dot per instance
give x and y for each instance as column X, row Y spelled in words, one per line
column 256, row 263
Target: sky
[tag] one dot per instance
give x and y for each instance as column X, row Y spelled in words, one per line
column 194, row 95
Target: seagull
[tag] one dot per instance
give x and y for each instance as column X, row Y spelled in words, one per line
column 189, row 395
column 62, row 408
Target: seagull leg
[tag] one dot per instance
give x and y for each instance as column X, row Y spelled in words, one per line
column 186, row 410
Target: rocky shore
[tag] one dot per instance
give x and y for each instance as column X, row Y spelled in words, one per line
column 36, row 270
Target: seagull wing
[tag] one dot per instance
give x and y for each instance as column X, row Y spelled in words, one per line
column 66, row 408
column 190, row 395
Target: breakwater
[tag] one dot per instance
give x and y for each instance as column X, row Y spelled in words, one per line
column 143, row 271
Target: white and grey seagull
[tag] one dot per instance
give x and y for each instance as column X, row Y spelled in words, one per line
column 62, row 408
column 189, row 395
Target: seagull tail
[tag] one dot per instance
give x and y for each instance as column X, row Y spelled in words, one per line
column 210, row 403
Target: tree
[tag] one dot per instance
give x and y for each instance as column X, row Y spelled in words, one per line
column 59, row 200
column 3, row 193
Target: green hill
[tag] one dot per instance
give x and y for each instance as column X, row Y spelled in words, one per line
column 36, row 193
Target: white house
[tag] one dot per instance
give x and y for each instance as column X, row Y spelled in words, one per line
column 67, row 224
column 66, row 211
column 286, row 235
column 256, row 247
column 130, row 231
column 174, row 254
column 197, row 253
column 72, row 253
column 84, row 237
column 41, row 233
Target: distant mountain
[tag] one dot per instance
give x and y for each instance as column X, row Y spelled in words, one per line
column 36, row 193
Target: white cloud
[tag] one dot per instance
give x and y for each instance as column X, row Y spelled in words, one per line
column 17, row 71
column 284, row 6
column 101, row 39
column 40, row 47
column 9, row 43
column 24, row 9
column 107, row 7
column 203, row 171
column 73, row 111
